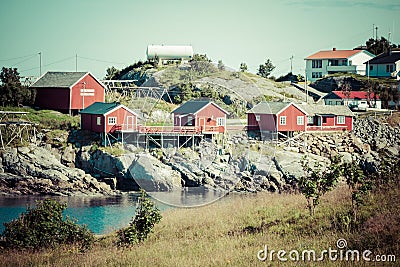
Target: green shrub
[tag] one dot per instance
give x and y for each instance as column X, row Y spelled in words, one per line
column 44, row 227
column 147, row 215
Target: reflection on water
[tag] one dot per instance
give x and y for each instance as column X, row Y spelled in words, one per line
column 104, row 215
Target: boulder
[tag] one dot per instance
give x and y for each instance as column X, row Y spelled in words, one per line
column 152, row 175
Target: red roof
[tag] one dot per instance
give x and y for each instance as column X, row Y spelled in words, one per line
column 355, row 95
column 336, row 54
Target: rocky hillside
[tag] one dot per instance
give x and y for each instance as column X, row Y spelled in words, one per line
column 247, row 164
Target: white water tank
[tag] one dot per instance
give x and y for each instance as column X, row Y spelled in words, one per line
column 169, row 52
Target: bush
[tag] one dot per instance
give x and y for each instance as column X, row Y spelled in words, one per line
column 147, row 215
column 44, row 227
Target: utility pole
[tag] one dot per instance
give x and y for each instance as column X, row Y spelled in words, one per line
column 376, row 33
column 305, row 84
column 373, row 31
column 76, row 62
column 40, row 63
column 291, row 64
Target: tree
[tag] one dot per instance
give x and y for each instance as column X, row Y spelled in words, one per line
column 243, row 67
column 12, row 93
column 147, row 216
column 346, row 89
column 200, row 57
column 358, row 183
column 221, row 65
column 378, row 46
column 318, row 180
column 265, row 69
column 112, row 73
column 44, row 227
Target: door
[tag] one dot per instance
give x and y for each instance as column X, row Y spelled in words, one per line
column 130, row 123
column 202, row 124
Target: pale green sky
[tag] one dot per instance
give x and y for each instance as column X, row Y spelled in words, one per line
column 248, row 31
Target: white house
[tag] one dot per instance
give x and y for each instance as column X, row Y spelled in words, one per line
column 332, row 61
column 355, row 100
column 384, row 65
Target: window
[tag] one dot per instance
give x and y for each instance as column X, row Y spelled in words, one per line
column 112, row 120
column 330, row 102
column 282, row 120
column 389, row 68
column 344, row 62
column 257, row 117
column 350, row 62
column 340, row 120
column 300, row 120
column 371, row 67
column 317, row 64
column 220, row 121
column 190, row 121
column 317, row 74
column 310, row 120
column 324, row 120
column 333, row 62
column 98, row 120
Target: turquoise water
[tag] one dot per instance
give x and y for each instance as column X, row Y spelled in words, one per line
column 102, row 215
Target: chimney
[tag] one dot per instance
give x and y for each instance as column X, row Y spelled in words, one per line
column 334, row 49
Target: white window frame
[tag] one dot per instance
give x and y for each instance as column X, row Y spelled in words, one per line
column 310, row 119
column 112, row 120
column 258, row 117
column 98, row 121
column 300, row 120
column 221, row 121
column 341, row 120
column 282, row 120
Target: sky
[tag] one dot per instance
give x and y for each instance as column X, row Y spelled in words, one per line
column 94, row 35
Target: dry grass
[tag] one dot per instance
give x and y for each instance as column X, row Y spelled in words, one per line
column 229, row 232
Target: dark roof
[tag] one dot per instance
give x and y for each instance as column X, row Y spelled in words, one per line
column 100, row 108
column 385, row 58
column 58, row 79
column 193, row 106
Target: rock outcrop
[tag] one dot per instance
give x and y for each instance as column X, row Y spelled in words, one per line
column 34, row 170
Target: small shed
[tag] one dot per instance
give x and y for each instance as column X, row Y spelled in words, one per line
column 67, row 92
column 107, row 118
column 203, row 114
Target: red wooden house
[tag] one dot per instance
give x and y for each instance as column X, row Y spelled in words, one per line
column 286, row 118
column 67, row 92
column 107, row 118
column 201, row 114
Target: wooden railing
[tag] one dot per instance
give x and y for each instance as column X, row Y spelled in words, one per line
column 167, row 129
column 326, row 128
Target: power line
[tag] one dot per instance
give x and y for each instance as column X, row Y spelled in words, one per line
column 18, row 57
column 52, row 63
column 104, row 61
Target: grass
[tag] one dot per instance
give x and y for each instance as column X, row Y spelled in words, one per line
column 48, row 119
column 231, row 231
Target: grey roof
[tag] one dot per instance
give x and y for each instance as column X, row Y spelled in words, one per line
column 268, row 107
column 338, row 110
column 99, row 108
column 58, row 79
column 193, row 106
